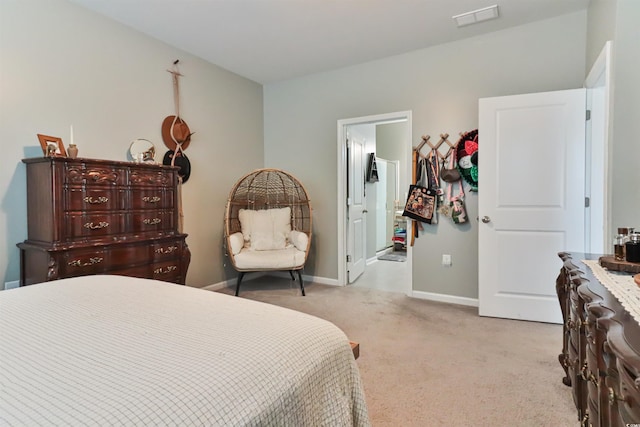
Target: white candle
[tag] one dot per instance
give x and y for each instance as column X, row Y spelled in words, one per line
column 71, row 130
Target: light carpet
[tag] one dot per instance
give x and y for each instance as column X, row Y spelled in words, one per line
column 426, row 363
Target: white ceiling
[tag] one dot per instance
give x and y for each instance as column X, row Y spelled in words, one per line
column 274, row 40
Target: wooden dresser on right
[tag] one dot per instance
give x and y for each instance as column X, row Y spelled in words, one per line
column 600, row 348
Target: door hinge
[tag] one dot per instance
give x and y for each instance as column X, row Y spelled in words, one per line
column 588, row 114
column 348, row 258
column 587, row 202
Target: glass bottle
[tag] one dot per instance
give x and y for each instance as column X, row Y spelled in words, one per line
column 619, row 244
column 632, row 248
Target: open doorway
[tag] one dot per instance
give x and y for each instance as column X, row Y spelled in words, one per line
column 358, row 224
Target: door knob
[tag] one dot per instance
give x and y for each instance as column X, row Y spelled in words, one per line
column 364, row 211
column 486, row 219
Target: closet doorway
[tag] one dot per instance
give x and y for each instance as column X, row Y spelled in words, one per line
column 366, row 211
column 385, row 205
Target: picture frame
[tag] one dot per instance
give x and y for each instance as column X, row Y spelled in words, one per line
column 52, row 146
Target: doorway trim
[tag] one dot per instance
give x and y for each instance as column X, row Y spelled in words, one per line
column 598, row 228
column 342, row 185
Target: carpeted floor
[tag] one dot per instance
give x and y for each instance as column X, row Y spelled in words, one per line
column 429, row 364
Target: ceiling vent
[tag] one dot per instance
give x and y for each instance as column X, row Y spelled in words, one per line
column 475, row 16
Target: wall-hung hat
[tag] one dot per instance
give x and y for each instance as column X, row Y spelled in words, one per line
column 175, row 129
column 181, row 161
column 467, row 155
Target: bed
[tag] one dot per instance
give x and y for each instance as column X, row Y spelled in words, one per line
column 114, row 350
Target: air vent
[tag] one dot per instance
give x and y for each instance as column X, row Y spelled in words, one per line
column 476, row 16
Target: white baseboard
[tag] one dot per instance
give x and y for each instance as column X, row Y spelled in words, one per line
column 307, row 279
column 11, row 285
column 282, row 274
column 451, row 299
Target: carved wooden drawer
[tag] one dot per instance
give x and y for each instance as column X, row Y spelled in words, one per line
column 152, row 178
column 89, row 216
column 93, row 225
column 166, row 270
column 95, row 199
column 82, row 262
column 145, row 221
column 627, row 395
column 166, row 250
column 152, row 199
column 84, row 173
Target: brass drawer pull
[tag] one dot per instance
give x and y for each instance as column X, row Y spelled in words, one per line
column 168, row 250
column 153, row 221
column 99, row 200
column 92, row 261
column 149, row 199
column 583, row 372
column 165, row 271
column 613, row 397
column 92, row 226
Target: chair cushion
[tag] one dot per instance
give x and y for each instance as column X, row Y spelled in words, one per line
column 280, row 259
column 266, row 241
column 299, row 239
column 266, row 229
column 236, row 242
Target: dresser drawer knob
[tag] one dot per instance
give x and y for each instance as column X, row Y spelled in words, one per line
column 168, row 250
column 96, row 201
column 92, row 226
column 92, row 261
column 583, row 372
column 613, row 397
column 165, row 270
column 152, row 221
column 149, row 199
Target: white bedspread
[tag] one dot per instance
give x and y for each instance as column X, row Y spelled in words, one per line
column 110, row 350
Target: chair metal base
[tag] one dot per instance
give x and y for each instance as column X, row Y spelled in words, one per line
column 241, row 276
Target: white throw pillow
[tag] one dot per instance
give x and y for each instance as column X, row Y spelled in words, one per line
column 266, row 229
column 246, row 220
column 299, row 239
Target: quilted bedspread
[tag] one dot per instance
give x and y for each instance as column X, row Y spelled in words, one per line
column 111, row 350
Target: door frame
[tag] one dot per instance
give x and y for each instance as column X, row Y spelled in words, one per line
column 342, row 185
column 598, row 151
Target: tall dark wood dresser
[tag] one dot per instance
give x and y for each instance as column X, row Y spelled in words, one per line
column 600, row 349
column 88, row 216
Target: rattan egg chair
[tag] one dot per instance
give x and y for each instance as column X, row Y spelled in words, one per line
column 267, row 225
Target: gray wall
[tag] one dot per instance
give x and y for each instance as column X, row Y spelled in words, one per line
column 625, row 171
column 441, row 86
column 601, row 27
column 617, row 20
column 390, row 138
column 63, row 65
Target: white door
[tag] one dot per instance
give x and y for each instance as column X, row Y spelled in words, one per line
column 356, row 202
column 530, row 200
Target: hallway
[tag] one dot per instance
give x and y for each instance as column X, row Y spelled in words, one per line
column 389, row 276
